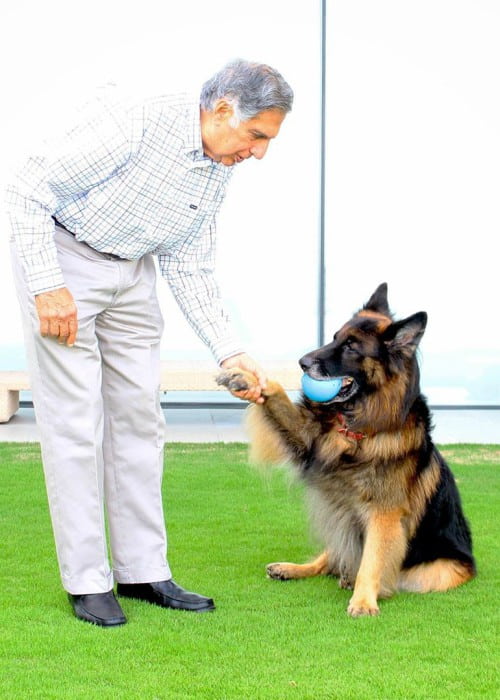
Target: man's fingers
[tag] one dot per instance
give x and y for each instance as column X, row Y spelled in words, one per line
column 67, row 332
column 252, row 395
column 63, row 332
column 262, row 378
column 73, row 326
column 44, row 327
column 54, row 327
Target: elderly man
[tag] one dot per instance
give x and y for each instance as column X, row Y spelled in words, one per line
column 128, row 182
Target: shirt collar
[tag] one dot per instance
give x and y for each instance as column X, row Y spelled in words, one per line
column 193, row 145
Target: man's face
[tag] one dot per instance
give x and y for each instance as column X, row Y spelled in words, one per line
column 228, row 144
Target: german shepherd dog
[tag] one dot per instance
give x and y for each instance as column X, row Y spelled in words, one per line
column 382, row 497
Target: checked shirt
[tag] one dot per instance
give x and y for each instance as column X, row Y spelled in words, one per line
column 129, row 178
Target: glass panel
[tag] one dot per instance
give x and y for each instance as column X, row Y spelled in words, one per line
column 413, row 147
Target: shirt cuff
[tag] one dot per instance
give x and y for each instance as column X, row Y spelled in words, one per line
column 226, row 347
column 42, row 279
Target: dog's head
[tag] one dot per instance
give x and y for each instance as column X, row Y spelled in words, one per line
column 370, row 352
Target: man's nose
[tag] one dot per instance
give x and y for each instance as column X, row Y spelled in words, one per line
column 259, row 150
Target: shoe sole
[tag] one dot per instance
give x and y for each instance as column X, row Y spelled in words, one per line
column 101, row 623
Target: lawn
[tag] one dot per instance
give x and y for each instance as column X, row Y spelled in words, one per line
column 267, row 639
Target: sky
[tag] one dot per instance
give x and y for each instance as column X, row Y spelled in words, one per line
column 412, row 153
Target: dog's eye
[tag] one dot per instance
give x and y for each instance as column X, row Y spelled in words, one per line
column 350, row 345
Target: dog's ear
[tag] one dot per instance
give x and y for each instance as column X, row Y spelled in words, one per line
column 378, row 300
column 405, row 335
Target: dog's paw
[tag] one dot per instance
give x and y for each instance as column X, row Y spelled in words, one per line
column 237, row 380
column 345, row 583
column 359, row 607
column 345, row 580
column 279, row 572
column 234, row 379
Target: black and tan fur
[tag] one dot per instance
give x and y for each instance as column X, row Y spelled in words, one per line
column 381, row 495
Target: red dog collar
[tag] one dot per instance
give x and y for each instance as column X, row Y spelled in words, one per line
column 345, row 431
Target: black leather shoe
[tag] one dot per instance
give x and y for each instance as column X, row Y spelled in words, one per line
column 167, row 594
column 100, row 608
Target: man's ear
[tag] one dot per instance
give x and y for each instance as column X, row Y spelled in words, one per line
column 223, row 110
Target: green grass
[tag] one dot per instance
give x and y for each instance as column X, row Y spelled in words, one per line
column 267, row 639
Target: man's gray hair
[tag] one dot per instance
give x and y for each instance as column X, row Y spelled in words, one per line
column 250, row 87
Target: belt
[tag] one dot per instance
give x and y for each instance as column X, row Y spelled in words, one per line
column 109, row 255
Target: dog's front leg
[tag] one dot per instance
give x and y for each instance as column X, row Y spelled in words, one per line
column 277, row 427
column 383, row 553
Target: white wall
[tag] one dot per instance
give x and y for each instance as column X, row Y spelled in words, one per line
column 58, row 52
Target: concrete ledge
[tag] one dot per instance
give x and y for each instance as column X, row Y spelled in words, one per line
column 175, row 376
column 226, row 425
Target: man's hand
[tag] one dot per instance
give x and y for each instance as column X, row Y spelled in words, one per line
column 58, row 315
column 244, row 361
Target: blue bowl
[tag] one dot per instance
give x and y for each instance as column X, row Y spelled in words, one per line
column 321, row 389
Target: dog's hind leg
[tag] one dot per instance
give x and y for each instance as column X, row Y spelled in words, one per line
column 438, row 575
column 285, row 571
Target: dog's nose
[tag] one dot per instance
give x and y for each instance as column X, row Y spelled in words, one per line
column 306, row 362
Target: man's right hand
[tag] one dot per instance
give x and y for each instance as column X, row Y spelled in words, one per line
column 58, row 315
column 243, row 361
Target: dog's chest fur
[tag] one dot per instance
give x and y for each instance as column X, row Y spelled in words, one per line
column 346, row 479
column 355, row 471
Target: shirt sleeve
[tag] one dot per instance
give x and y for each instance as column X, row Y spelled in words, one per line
column 189, row 272
column 101, row 141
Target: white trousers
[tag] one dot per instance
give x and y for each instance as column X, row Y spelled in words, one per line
column 101, row 425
